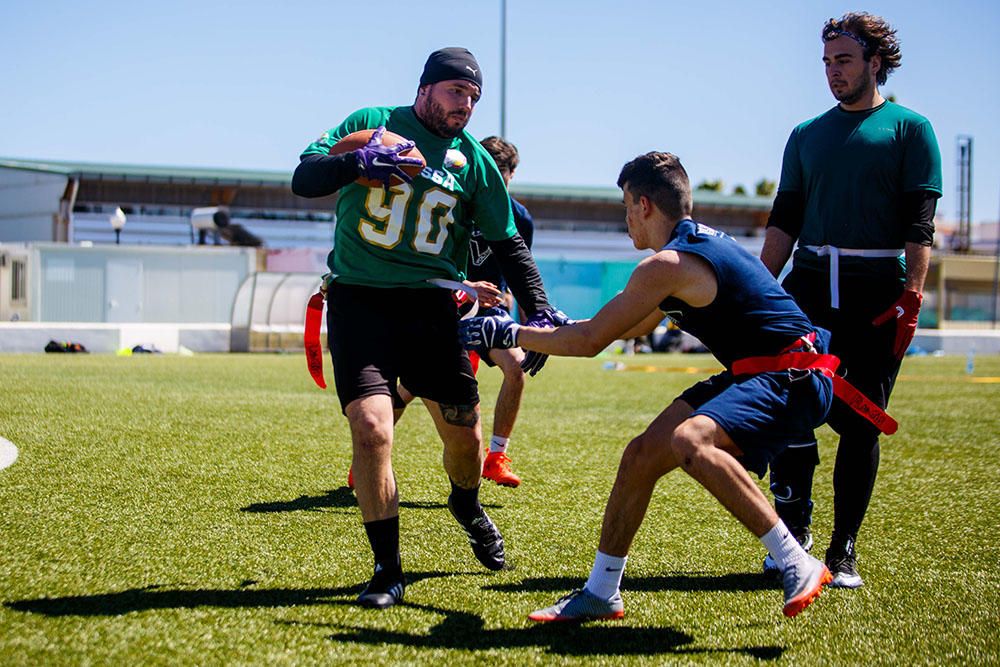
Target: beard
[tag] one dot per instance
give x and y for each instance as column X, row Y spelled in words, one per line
column 437, row 120
column 852, row 94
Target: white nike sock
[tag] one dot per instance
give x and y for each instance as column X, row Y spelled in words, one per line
column 606, row 575
column 782, row 546
column 498, row 444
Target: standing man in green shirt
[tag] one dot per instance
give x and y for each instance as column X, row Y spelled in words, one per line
column 391, row 245
column 859, row 187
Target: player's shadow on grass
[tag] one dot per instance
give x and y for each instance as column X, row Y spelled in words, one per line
column 158, row 597
column 335, row 499
column 677, row 581
column 466, row 631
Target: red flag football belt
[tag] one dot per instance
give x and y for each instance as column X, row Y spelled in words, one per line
column 314, row 351
column 826, row 364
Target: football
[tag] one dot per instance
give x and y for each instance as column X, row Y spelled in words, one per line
column 356, row 140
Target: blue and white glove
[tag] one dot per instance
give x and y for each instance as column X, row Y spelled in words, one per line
column 482, row 334
column 380, row 162
column 547, row 318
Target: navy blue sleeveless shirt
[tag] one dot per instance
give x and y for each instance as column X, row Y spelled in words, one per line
column 482, row 264
column 751, row 314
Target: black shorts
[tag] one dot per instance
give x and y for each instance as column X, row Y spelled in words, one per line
column 380, row 336
column 866, row 353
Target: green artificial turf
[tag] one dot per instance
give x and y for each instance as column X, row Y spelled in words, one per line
column 193, row 510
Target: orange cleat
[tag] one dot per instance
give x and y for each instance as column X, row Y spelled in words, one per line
column 497, row 468
column 803, row 582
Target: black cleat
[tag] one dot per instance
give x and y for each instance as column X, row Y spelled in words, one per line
column 485, row 539
column 843, row 564
column 384, row 590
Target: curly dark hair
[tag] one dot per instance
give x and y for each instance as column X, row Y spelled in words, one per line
column 873, row 33
column 662, row 178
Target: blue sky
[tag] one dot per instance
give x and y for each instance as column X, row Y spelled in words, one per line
column 590, row 84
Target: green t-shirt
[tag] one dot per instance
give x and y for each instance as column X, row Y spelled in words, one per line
column 417, row 230
column 852, row 168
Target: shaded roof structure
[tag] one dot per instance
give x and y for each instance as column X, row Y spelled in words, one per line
column 168, row 194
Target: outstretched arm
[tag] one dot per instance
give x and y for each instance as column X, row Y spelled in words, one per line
column 664, row 274
column 586, row 338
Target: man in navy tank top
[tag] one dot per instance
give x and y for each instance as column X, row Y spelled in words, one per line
column 776, row 388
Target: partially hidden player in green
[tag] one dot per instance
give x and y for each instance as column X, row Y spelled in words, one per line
column 389, row 242
column 859, row 187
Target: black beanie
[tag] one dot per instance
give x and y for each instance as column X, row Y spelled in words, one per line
column 452, row 63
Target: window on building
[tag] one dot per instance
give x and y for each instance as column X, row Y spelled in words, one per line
column 19, row 281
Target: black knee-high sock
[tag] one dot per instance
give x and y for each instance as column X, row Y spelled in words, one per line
column 791, row 484
column 465, row 502
column 383, row 535
column 853, row 481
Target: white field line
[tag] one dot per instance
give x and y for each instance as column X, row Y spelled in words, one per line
column 8, row 453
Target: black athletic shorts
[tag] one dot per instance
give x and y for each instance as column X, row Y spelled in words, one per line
column 866, row 353
column 380, row 336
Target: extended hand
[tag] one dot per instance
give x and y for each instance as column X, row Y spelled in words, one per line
column 482, row 334
column 488, row 294
column 547, row 318
column 905, row 312
column 380, row 162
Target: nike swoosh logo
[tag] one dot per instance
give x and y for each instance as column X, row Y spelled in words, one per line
column 378, row 163
column 609, row 569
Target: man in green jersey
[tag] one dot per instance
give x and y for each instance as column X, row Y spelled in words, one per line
column 859, row 187
column 390, row 243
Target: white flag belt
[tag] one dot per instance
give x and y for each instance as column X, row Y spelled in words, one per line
column 456, row 286
column 836, row 253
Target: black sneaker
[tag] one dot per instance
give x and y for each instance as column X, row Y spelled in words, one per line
column 804, row 538
column 385, row 588
column 485, row 539
column 843, row 564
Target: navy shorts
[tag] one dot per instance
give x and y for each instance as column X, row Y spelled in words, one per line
column 380, row 336
column 764, row 413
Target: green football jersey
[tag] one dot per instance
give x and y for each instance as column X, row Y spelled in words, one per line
column 419, row 230
column 852, row 168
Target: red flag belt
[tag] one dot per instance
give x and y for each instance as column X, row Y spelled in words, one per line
column 314, row 350
column 826, row 364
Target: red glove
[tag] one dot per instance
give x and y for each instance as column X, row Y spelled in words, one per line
column 905, row 312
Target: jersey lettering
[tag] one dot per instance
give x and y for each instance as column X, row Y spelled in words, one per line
column 438, row 177
column 479, row 250
column 387, row 210
column 435, row 207
column 388, row 230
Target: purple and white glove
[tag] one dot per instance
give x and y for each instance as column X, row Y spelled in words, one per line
column 547, row 318
column 379, row 162
column 482, row 334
